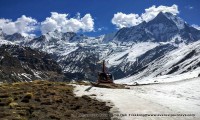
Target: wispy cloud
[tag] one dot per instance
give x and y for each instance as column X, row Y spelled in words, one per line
column 189, row 7
column 102, row 28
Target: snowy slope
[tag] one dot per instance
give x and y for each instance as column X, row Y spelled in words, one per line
column 184, row 61
column 5, row 42
column 169, row 98
column 128, row 54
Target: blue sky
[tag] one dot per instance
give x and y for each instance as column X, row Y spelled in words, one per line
column 102, row 11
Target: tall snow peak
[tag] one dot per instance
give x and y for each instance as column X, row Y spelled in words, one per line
column 180, row 23
column 163, row 28
column 56, row 35
column 14, row 37
column 169, row 17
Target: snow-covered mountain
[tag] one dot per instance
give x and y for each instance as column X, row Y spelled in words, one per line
column 163, row 28
column 128, row 52
column 180, row 63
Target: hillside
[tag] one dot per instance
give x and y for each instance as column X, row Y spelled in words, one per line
column 25, row 64
column 48, row 101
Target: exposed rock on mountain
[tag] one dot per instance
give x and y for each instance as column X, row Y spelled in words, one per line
column 24, row 64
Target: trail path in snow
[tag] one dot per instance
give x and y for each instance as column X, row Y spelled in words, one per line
column 171, row 98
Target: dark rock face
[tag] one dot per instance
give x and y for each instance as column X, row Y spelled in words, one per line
column 190, row 33
column 162, row 28
column 134, row 34
column 25, row 64
column 82, row 64
column 15, row 36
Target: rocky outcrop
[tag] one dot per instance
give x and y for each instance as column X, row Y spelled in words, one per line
column 25, row 64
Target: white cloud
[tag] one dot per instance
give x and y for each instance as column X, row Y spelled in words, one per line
column 3, row 22
column 23, row 25
column 62, row 23
column 102, row 28
column 196, row 26
column 88, row 23
column 126, row 20
column 152, row 12
column 189, row 7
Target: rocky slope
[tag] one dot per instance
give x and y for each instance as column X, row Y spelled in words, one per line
column 25, row 64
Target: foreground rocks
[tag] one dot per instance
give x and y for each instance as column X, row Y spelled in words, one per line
column 48, row 100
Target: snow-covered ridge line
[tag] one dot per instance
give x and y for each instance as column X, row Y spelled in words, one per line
column 179, row 64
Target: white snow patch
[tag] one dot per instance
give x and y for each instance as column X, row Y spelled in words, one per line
column 171, row 98
column 28, row 76
column 5, row 42
column 129, row 53
column 159, row 79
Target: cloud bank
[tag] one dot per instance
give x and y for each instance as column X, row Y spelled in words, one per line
column 24, row 25
column 62, row 23
column 121, row 20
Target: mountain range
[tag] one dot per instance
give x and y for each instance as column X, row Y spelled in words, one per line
column 166, row 45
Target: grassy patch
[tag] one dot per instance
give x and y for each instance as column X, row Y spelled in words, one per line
column 47, row 100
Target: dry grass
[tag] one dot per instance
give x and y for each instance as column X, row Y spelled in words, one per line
column 13, row 105
column 46, row 100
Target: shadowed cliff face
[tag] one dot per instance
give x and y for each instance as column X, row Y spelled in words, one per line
column 24, row 64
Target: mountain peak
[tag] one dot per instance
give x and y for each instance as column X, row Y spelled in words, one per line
column 163, row 14
column 180, row 23
column 163, row 28
column 13, row 37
